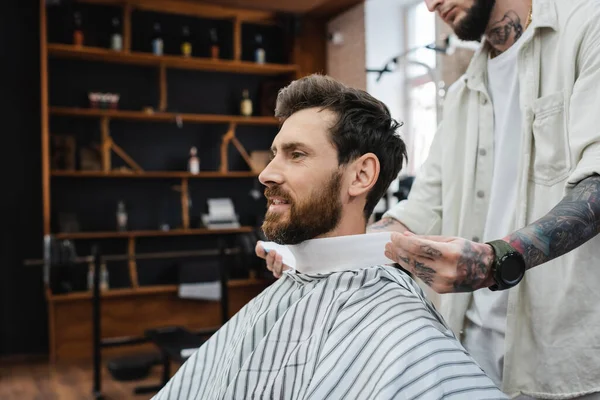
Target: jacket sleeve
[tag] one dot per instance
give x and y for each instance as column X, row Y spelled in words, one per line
column 583, row 109
column 421, row 213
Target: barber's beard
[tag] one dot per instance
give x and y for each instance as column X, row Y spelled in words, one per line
column 473, row 25
column 318, row 214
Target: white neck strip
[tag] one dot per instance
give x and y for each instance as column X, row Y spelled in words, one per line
column 340, row 253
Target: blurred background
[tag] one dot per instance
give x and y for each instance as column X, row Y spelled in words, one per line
column 134, row 132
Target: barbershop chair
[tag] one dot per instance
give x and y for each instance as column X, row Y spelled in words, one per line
column 176, row 343
column 205, row 281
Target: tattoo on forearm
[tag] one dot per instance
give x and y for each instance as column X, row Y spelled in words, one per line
column 384, row 223
column 574, row 221
column 388, row 224
column 500, row 31
column 472, row 268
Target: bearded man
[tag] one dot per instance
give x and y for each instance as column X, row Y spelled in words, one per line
column 340, row 324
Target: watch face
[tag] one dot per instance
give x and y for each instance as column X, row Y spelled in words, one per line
column 512, row 269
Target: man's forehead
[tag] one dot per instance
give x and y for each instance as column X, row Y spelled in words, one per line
column 309, row 126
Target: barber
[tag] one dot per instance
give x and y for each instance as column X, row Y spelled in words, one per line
column 503, row 216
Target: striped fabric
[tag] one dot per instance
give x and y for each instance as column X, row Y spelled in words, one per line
column 364, row 334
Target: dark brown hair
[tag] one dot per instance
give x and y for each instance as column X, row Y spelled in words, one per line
column 364, row 125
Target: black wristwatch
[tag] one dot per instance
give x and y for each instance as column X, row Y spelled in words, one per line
column 508, row 266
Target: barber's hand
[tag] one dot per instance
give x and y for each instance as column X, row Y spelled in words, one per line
column 274, row 260
column 446, row 264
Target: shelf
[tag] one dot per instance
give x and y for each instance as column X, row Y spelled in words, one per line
column 150, row 233
column 147, row 290
column 247, row 12
column 155, row 174
column 162, row 116
column 176, row 62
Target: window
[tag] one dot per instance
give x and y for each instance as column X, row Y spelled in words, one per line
column 421, row 99
column 410, row 91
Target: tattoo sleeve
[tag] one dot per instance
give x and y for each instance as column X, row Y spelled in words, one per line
column 387, row 224
column 574, row 221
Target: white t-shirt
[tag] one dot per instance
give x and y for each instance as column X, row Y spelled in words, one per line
column 486, row 316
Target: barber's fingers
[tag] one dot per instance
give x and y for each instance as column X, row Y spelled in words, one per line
column 271, row 260
column 423, row 268
column 399, row 256
column 260, row 251
column 278, row 266
column 269, row 257
column 274, row 263
column 274, row 260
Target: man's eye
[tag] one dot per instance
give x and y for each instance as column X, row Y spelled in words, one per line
column 297, row 154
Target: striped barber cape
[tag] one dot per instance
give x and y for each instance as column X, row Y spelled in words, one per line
column 362, row 334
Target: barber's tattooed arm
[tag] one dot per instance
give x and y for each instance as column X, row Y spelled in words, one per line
column 387, row 225
column 453, row 264
column 574, row 221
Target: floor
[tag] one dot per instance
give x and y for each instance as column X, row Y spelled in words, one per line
column 33, row 380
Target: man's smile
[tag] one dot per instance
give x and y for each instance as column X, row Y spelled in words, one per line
column 278, row 204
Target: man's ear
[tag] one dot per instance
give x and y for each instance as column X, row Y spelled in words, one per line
column 364, row 173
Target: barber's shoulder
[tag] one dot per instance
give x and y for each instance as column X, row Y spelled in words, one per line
column 577, row 14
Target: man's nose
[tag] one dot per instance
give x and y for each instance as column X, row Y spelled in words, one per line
column 432, row 5
column 271, row 175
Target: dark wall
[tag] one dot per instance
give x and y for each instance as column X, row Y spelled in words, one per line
column 23, row 309
column 23, row 320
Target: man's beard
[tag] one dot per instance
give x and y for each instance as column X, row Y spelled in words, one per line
column 474, row 24
column 320, row 213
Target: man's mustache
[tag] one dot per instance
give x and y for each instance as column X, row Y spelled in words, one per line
column 276, row 191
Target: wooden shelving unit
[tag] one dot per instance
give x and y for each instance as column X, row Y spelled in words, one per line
column 149, row 233
column 177, row 62
column 155, row 174
column 161, row 116
column 130, row 310
column 150, row 290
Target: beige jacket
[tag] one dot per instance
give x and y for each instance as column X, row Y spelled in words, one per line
column 553, row 321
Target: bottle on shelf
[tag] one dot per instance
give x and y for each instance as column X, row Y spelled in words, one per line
column 78, row 30
column 246, row 104
column 104, row 279
column 90, row 276
column 214, row 43
column 194, row 161
column 121, row 217
column 186, row 42
column 116, row 39
column 259, row 53
column 157, row 40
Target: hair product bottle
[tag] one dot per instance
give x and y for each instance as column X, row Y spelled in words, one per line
column 90, row 276
column 194, row 161
column 78, row 30
column 121, row 217
column 214, row 43
column 186, row 42
column 246, row 104
column 157, row 41
column 104, row 279
column 259, row 53
column 116, row 39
